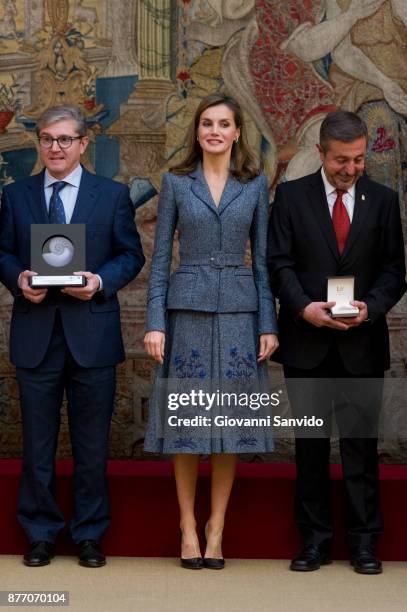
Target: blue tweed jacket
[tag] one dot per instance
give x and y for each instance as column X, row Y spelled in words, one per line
column 211, row 276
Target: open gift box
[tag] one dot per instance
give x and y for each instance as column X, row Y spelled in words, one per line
column 341, row 290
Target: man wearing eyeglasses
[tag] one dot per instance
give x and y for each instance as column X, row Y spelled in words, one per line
column 69, row 339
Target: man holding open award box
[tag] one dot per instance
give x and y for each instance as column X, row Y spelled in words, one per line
column 68, row 243
column 336, row 260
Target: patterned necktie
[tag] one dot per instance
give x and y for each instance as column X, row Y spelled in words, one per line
column 341, row 221
column 56, row 213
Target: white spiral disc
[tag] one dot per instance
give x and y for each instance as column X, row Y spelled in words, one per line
column 58, row 251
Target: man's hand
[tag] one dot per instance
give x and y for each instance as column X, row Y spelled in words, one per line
column 362, row 316
column 34, row 295
column 84, row 293
column 317, row 313
column 154, row 342
column 268, row 344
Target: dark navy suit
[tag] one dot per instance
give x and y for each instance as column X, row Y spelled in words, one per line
column 67, row 343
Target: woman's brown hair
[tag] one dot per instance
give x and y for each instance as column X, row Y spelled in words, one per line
column 244, row 165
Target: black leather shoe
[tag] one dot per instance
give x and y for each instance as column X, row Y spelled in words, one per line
column 309, row 559
column 194, row 563
column 215, row 563
column 39, row 554
column 90, row 554
column 364, row 561
column 212, row 563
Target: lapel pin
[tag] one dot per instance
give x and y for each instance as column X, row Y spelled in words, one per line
column 363, row 197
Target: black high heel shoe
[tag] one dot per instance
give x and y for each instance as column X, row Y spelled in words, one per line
column 212, row 562
column 194, row 563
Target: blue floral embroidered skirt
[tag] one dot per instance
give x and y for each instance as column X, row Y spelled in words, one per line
column 204, row 351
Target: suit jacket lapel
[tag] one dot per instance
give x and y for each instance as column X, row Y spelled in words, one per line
column 86, row 199
column 200, row 188
column 37, row 205
column 359, row 214
column 317, row 197
column 231, row 191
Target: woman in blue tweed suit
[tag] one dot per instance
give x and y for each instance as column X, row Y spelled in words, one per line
column 214, row 318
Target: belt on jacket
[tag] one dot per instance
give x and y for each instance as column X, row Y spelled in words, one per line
column 216, row 259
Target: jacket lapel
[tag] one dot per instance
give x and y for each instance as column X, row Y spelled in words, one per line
column 86, row 199
column 37, row 206
column 317, row 197
column 359, row 214
column 200, row 188
column 231, row 191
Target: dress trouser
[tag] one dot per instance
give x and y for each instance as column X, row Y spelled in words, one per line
column 328, row 391
column 90, row 394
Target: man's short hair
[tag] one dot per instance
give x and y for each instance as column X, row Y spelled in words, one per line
column 343, row 126
column 63, row 113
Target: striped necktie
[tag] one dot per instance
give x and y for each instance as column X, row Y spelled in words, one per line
column 56, row 213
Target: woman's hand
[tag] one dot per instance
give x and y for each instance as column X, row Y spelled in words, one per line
column 154, row 342
column 268, row 344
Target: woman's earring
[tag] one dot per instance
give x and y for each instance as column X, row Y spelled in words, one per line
column 237, row 139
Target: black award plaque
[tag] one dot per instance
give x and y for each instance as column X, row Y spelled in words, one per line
column 57, row 251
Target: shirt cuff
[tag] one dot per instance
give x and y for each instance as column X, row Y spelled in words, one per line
column 100, row 282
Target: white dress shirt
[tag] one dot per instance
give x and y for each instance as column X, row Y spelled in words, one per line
column 348, row 197
column 68, row 194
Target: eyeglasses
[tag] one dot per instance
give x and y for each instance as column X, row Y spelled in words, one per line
column 64, row 142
